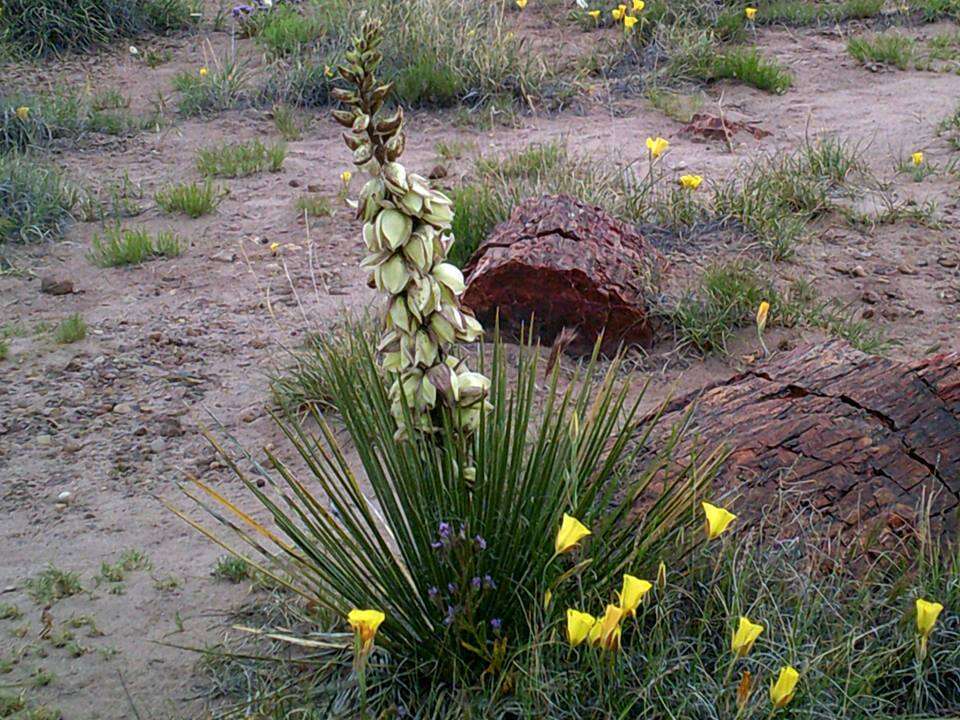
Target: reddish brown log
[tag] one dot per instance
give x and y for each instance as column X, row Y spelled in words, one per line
column 860, row 439
column 569, row 265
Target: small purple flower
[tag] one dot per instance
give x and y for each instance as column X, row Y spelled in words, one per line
column 451, row 587
column 432, row 592
column 451, row 614
column 488, row 583
column 496, row 624
column 436, row 545
column 476, row 583
column 444, row 530
column 481, row 543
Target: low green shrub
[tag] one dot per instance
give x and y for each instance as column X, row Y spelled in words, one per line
column 287, row 31
column 38, row 28
column 35, row 200
column 210, row 90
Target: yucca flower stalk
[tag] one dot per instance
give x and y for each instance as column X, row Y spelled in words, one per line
column 407, row 234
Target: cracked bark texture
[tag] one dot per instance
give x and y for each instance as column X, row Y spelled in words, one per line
column 861, row 439
column 568, row 265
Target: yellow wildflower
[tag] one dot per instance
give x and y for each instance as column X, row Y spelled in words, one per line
column 274, row 246
column 345, row 177
column 23, row 112
column 327, row 71
column 781, row 692
column 629, row 21
column 762, row 312
column 745, row 636
column 632, row 593
column 579, row 625
column 638, row 5
column 595, row 14
column 917, row 158
column 571, row 532
column 690, row 182
column 606, row 633
column 750, row 12
column 717, row 520
column 203, row 72
column 365, row 623
column 521, row 4
column 619, row 12
column 657, row 146
column 927, row 613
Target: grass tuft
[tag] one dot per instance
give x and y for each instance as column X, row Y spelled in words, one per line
column 232, row 160
column 35, row 201
column 126, row 246
column 191, row 199
column 890, row 48
column 751, row 68
column 71, row 329
column 53, row 584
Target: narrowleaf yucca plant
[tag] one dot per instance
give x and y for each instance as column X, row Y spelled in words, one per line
column 459, row 568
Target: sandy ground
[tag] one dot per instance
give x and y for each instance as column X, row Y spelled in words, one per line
column 114, row 420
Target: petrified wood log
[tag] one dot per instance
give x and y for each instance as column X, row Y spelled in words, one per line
column 568, row 265
column 861, row 439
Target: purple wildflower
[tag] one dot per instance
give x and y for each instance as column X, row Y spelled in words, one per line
column 444, row 530
column 481, row 543
column 476, row 582
column 452, row 587
column 496, row 624
column 451, row 614
column 488, row 583
column 432, row 592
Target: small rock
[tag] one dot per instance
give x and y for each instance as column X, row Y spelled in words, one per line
column 867, row 313
column 314, row 187
column 947, row 262
column 858, row 271
column 294, row 183
column 123, row 408
column 44, row 440
column 158, row 445
column 225, row 256
column 170, row 427
column 250, row 415
column 438, row 172
column 65, row 497
column 54, row 286
column 906, row 269
column 870, row 297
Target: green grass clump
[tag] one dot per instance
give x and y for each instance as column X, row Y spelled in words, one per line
column 949, row 128
column 35, row 201
column 223, row 87
column 314, row 206
column 438, row 52
column 750, row 67
column 777, row 196
column 191, row 199
column 38, row 28
column 726, row 298
column 4, row 348
column 71, row 329
column 126, row 246
column 53, row 584
column 231, row 568
column 288, row 31
column 287, row 122
column 501, row 183
column 799, row 13
column 232, row 160
column 890, row 48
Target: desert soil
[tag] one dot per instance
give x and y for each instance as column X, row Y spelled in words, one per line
column 115, row 419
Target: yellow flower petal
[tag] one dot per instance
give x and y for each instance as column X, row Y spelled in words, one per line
column 781, row 692
column 638, row 5
column 366, row 623
column 579, row 625
column 690, row 182
column 762, row 313
column 23, row 112
column 927, row 614
column 717, row 520
column 521, row 4
column 608, row 637
column 745, row 636
column 595, row 14
column 750, row 12
column 632, row 593
column 203, row 72
column 572, row 531
column 657, row 146
column 917, row 158
column 629, row 21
